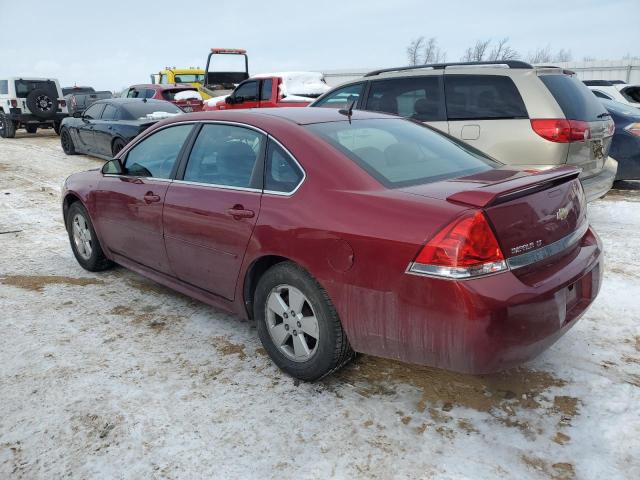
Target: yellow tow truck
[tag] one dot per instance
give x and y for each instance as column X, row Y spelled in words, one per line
column 193, row 76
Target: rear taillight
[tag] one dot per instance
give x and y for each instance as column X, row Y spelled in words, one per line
column 561, row 130
column 14, row 103
column 633, row 129
column 62, row 103
column 611, row 127
column 467, row 247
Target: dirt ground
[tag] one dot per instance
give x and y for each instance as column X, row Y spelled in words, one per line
column 113, row 376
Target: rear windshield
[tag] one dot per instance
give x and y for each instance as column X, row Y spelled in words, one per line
column 400, row 153
column 25, row 87
column 135, row 110
column 575, row 99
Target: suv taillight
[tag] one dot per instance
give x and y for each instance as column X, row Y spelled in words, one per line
column 14, row 103
column 467, row 247
column 561, row 130
column 62, row 103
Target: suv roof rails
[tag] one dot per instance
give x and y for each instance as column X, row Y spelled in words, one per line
column 437, row 66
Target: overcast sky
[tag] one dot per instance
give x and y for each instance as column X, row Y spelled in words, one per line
column 113, row 44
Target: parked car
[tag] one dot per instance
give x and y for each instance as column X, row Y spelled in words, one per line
column 269, row 90
column 625, row 147
column 614, row 90
column 531, row 117
column 30, row 103
column 346, row 232
column 192, row 76
column 185, row 97
column 108, row 125
column 80, row 98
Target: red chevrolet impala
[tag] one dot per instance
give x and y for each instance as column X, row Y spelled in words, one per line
column 339, row 233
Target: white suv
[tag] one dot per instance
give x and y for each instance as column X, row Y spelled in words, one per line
column 30, row 103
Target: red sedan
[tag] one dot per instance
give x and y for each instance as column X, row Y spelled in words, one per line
column 341, row 233
column 183, row 96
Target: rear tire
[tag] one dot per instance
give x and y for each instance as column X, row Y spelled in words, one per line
column 305, row 338
column 31, row 128
column 7, row 127
column 118, row 144
column 56, row 127
column 84, row 241
column 67, row 142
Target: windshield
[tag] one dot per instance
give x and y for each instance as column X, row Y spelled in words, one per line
column 400, row 153
column 136, row 110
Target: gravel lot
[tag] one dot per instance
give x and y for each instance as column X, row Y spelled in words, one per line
column 114, row 376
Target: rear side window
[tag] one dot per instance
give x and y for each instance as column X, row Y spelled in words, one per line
column 600, row 94
column 419, row 98
column 149, row 93
column 265, row 89
column 632, row 94
column 281, row 174
column 400, row 153
column 94, row 111
column 482, row 97
column 575, row 99
column 156, row 155
column 341, row 97
column 109, row 112
column 4, row 87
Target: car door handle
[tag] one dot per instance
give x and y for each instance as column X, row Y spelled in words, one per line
column 238, row 212
column 150, row 197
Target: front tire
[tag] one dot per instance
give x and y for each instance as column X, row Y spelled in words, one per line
column 67, row 142
column 84, row 241
column 298, row 325
column 7, row 127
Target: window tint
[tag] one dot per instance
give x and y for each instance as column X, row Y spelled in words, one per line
column 482, row 97
column 156, row 155
column 281, row 174
column 225, row 155
column 94, row 111
column 149, row 93
column 248, row 91
column 4, row 87
column 109, row 112
column 574, row 97
column 419, row 98
column 342, row 97
column 600, row 94
column 265, row 90
column 399, row 153
column 25, row 87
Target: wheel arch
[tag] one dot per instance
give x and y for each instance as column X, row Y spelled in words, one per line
column 253, row 274
column 69, row 199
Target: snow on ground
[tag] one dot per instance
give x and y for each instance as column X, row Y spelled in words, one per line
column 112, row 376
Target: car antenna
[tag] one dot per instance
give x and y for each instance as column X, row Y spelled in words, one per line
column 348, row 111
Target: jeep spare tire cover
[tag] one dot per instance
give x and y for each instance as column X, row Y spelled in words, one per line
column 42, row 103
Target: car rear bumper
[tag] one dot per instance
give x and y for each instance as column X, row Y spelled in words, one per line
column 486, row 324
column 30, row 118
column 598, row 185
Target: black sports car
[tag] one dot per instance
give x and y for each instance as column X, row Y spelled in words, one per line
column 104, row 128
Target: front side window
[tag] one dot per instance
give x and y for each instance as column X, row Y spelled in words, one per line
column 133, row 93
column 265, row 89
column 149, row 93
column 419, row 98
column 342, row 97
column 248, row 91
column 94, row 111
column 400, row 153
column 483, row 97
column 281, row 174
column 156, row 155
column 225, row 155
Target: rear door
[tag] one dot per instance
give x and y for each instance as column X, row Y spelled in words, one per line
column 212, row 206
column 487, row 112
column 420, row 98
column 578, row 103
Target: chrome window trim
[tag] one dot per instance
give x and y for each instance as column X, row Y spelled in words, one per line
column 547, row 251
column 119, row 175
column 214, row 185
column 295, row 160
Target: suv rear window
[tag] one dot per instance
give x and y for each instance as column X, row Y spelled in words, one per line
column 419, row 98
column 481, row 97
column 575, row 99
column 400, row 153
column 25, row 87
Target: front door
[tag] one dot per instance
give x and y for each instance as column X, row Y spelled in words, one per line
column 103, row 130
column 86, row 135
column 210, row 212
column 245, row 96
column 129, row 206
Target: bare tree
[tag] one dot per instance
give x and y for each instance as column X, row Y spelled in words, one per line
column 502, row 51
column 414, row 51
column 477, row 52
column 588, row 58
column 433, row 53
column 562, row 56
column 541, row 55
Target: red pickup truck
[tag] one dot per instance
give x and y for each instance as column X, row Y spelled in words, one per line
column 269, row 90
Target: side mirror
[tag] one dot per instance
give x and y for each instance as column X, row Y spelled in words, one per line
column 228, row 100
column 238, row 99
column 77, row 115
column 113, row 167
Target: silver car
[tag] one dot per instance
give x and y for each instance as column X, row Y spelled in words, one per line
column 532, row 117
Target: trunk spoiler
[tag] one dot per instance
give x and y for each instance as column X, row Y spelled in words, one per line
column 501, row 192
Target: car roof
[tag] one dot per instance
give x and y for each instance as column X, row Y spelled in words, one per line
column 163, row 86
column 306, row 116
column 125, row 101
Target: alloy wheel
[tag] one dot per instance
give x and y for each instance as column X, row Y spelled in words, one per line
column 82, row 236
column 292, row 323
